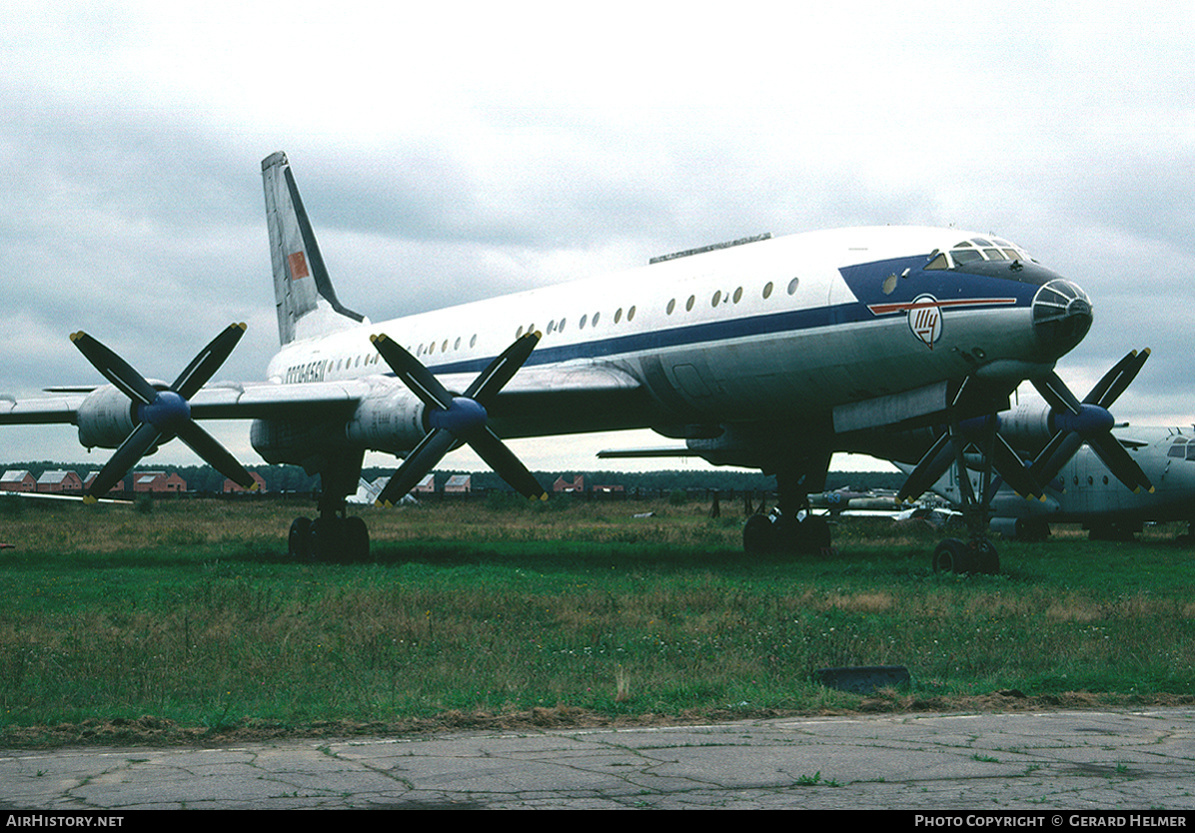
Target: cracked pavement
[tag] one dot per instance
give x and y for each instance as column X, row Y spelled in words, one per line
column 1055, row 760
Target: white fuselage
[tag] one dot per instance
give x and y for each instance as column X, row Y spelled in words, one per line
column 772, row 330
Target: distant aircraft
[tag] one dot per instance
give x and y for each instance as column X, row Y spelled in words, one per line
column 1085, row 490
column 761, row 353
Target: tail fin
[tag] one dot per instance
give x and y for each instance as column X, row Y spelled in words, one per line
column 307, row 304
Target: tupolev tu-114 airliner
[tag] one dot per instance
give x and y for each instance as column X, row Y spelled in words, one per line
column 767, row 353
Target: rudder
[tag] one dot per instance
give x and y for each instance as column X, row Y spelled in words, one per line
column 306, row 302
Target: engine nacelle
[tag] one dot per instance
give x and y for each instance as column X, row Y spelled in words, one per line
column 390, row 420
column 105, row 418
column 1027, row 427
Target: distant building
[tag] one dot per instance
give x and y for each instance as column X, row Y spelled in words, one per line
column 59, row 481
column 426, row 485
column 158, row 482
column 607, row 490
column 458, row 484
column 576, row 485
column 17, row 480
column 231, row 486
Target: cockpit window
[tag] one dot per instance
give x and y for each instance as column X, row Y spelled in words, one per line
column 976, row 249
column 1179, row 449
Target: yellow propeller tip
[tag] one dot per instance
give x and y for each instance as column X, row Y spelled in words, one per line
column 90, row 499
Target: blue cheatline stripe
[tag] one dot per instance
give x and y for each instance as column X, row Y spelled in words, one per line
column 864, row 280
column 707, row 333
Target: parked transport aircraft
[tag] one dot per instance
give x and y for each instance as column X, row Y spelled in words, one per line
column 1086, row 489
column 763, row 353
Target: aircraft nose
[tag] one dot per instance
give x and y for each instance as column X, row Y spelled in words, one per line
column 1061, row 316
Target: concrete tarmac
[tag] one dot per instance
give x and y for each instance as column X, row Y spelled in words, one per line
column 1077, row 761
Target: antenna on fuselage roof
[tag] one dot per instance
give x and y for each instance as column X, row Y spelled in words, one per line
column 767, row 235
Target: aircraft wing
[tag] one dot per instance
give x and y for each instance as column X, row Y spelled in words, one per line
column 42, row 410
column 534, row 390
column 531, row 388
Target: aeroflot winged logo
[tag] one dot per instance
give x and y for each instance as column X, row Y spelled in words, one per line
column 925, row 313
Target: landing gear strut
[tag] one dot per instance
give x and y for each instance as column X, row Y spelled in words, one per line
column 786, row 529
column 333, row 536
column 977, row 554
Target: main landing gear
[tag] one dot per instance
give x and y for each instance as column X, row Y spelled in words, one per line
column 787, row 530
column 976, row 555
column 333, row 536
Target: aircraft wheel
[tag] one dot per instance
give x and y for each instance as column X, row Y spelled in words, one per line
column 324, row 542
column 987, row 560
column 356, row 539
column 758, row 535
column 952, row 556
column 298, row 541
column 813, row 534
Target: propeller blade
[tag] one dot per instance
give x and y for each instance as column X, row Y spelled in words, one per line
column 1056, row 393
column 419, row 462
column 503, row 461
column 1108, row 389
column 1012, row 469
column 135, row 446
column 933, row 464
column 209, row 360
column 115, row 369
column 1118, row 461
column 413, row 374
column 1055, row 455
column 502, row 369
column 215, row 455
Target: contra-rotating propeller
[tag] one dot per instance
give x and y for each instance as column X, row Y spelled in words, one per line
column 163, row 415
column 1073, row 422
column 1089, row 422
column 942, row 454
column 457, row 419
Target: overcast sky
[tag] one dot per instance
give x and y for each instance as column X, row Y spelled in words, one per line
column 474, row 149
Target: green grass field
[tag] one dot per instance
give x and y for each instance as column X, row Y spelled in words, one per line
column 183, row 620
